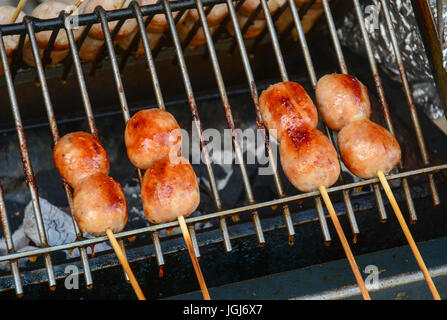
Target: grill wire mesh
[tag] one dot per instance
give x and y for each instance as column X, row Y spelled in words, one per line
column 143, row 15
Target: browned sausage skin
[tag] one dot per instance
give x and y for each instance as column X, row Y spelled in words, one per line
column 308, row 159
column 366, row 147
column 150, row 135
column 169, row 190
column 99, row 204
column 341, row 99
column 78, row 155
column 284, row 105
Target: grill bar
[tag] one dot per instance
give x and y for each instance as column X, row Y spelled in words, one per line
column 195, row 28
column 160, row 102
column 229, row 116
column 134, row 45
column 10, row 244
column 225, row 213
column 410, row 101
column 245, row 27
column 312, row 76
column 344, row 69
column 84, row 93
column 263, row 33
column 55, row 133
column 124, row 108
column 254, row 94
column 135, row 11
column 384, row 105
column 197, row 123
column 27, row 167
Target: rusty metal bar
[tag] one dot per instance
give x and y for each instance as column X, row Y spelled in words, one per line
column 254, row 94
column 197, row 123
column 124, row 107
column 313, row 80
column 264, row 31
column 410, row 102
column 69, row 62
column 26, row 161
column 245, row 27
column 344, row 69
column 9, row 243
column 55, row 133
column 224, row 213
column 134, row 44
column 384, row 105
column 160, row 102
column 229, row 116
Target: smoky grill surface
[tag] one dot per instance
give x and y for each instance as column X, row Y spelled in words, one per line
column 270, row 211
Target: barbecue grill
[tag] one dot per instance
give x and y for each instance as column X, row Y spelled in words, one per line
column 285, row 231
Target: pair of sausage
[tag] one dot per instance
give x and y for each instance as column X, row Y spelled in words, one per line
column 259, row 23
column 99, row 202
column 308, row 158
column 365, row 147
column 169, row 188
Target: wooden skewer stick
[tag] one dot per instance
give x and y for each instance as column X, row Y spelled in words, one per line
column 344, row 243
column 75, row 6
column 195, row 262
column 408, row 235
column 17, row 11
column 125, row 264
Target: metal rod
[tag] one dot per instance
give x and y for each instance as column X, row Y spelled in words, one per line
column 384, row 105
column 223, row 213
column 263, row 33
column 124, row 107
column 254, row 94
column 229, row 116
column 440, row 21
column 55, row 134
column 26, row 161
column 85, row 98
column 197, row 123
column 329, row 133
column 10, row 244
column 245, row 27
column 344, row 69
column 410, row 102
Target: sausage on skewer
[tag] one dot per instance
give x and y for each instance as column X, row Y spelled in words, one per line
column 11, row 42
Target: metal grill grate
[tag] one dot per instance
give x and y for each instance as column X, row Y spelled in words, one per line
column 30, row 26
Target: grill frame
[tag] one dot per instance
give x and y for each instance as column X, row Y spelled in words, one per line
column 30, row 26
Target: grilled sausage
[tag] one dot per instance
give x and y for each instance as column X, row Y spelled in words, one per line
column 308, row 159
column 150, row 135
column 155, row 29
column 366, row 147
column 96, row 31
column 259, row 22
column 11, row 42
column 99, row 204
column 284, row 105
column 49, row 10
column 214, row 18
column 169, row 190
column 78, row 155
column 341, row 99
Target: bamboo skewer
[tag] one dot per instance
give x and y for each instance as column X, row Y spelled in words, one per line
column 344, row 243
column 195, row 262
column 408, row 235
column 17, row 11
column 125, row 264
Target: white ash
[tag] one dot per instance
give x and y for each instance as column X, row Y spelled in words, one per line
column 59, row 230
